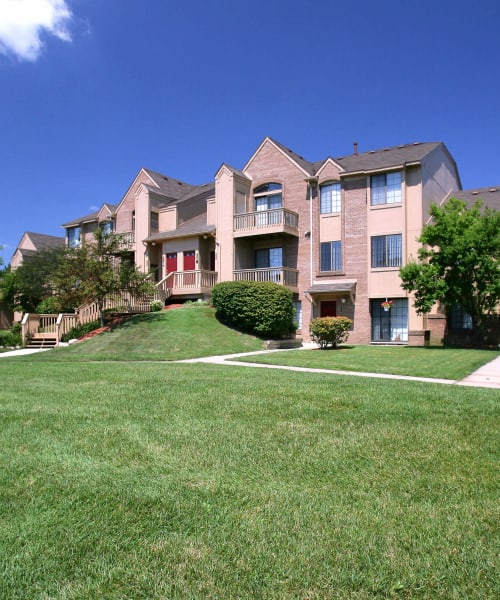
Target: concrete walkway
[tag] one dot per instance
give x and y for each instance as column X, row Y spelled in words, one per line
column 488, row 376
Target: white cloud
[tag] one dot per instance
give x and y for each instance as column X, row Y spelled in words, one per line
column 22, row 23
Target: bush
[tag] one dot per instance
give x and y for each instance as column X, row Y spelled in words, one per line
column 156, row 305
column 12, row 337
column 263, row 309
column 328, row 331
column 80, row 330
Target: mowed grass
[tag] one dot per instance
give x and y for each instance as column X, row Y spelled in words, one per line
column 440, row 363
column 186, row 332
column 143, row 480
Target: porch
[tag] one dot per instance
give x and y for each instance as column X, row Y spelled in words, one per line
column 187, row 283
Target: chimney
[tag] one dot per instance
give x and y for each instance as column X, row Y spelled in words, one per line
column 355, row 144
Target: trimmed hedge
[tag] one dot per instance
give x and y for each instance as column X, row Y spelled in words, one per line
column 330, row 331
column 263, row 309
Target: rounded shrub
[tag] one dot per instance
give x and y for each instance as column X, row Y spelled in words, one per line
column 263, row 309
column 330, row 331
column 156, row 305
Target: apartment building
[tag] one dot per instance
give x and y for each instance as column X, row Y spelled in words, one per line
column 334, row 231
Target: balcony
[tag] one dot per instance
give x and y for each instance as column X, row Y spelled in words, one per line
column 281, row 275
column 127, row 239
column 181, row 283
column 276, row 220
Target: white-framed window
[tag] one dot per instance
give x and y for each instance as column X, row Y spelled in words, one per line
column 330, row 198
column 387, row 251
column 268, row 196
column 331, row 256
column 386, row 188
column 74, row 237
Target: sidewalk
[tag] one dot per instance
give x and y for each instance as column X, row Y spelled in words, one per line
column 487, row 376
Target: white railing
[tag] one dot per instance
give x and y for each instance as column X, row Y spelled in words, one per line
column 185, row 281
column 280, row 275
column 127, row 239
column 265, row 219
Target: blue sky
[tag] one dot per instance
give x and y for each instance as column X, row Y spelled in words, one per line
column 93, row 90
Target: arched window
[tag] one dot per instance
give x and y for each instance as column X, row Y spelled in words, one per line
column 268, row 196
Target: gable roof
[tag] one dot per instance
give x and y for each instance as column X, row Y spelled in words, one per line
column 42, row 241
column 168, row 186
column 374, row 160
column 305, row 165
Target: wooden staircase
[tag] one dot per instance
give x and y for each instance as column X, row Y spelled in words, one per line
column 41, row 341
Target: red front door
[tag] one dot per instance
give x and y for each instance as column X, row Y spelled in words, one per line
column 189, row 260
column 172, row 262
column 328, row 308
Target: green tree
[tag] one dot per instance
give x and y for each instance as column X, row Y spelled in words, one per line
column 24, row 288
column 96, row 270
column 458, row 262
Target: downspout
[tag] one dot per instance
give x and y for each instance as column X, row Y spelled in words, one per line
column 310, row 182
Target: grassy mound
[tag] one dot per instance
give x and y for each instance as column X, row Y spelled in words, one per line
column 186, row 332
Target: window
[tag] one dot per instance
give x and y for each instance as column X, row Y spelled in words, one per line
column 386, row 188
column 74, row 237
column 268, row 257
column 330, row 200
column 331, row 256
column 390, row 326
column 106, row 227
column 386, row 251
column 268, row 196
column 459, row 319
column 272, row 260
column 154, row 222
column 297, row 306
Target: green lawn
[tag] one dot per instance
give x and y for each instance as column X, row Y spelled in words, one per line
column 441, row 363
column 146, row 480
column 175, row 334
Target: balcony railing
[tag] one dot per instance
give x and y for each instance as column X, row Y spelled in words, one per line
column 127, row 239
column 281, row 275
column 276, row 219
column 187, row 282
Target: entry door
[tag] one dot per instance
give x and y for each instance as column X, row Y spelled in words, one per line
column 189, row 260
column 172, row 262
column 328, row 308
